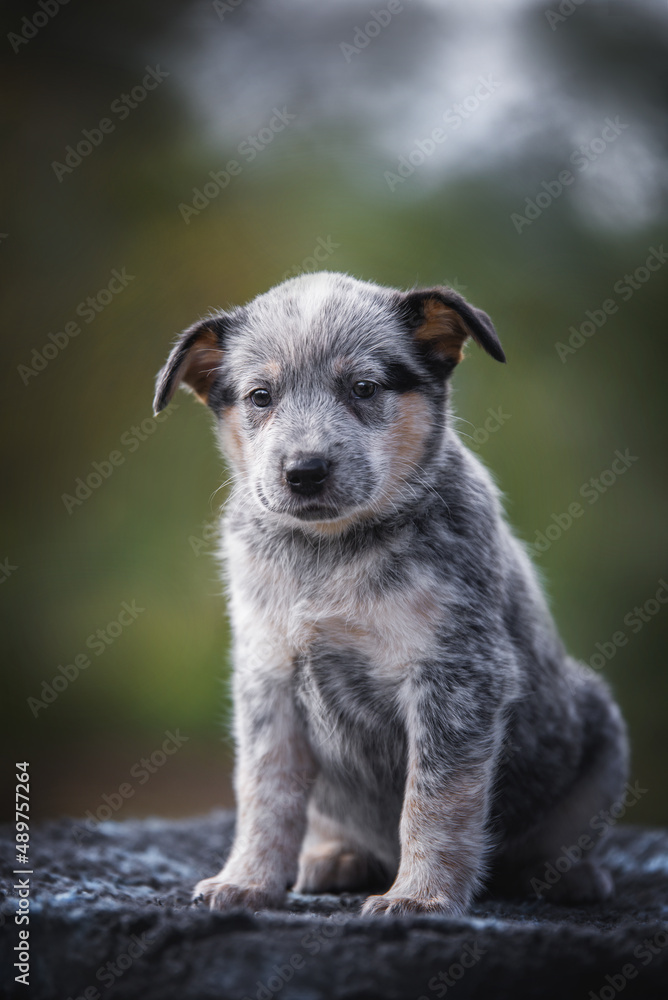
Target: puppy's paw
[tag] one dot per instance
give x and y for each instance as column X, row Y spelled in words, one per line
column 331, row 868
column 402, row 906
column 223, row 895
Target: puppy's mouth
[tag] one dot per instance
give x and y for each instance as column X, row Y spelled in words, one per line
column 302, row 508
column 314, row 512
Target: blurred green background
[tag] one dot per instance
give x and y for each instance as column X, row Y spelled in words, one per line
column 516, row 91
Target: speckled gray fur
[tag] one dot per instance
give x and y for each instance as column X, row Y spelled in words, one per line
column 404, row 707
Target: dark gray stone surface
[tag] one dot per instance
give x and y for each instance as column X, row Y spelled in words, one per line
column 110, row 913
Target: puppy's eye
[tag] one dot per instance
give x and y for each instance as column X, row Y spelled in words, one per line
column 260, row 397
column 364, row 389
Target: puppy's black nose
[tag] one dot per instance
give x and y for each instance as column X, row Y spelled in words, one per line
column 307, row 476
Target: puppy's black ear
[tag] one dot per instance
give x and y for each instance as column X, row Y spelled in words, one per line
column 195, row 361
column 441, row 320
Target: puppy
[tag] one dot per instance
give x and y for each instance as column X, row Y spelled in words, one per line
column 404, row 707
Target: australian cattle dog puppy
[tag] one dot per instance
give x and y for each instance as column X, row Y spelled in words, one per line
column 404, row 707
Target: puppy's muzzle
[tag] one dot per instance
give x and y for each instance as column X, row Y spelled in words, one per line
column 307, row 477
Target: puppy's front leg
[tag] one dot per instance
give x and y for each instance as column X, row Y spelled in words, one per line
column 274, row 774
column 451, row 752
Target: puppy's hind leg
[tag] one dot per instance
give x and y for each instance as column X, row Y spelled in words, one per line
column 331, row 860
column 558, row 861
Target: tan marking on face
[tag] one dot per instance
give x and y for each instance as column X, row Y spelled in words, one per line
column 405, row 440
column 444, row 330
column 332, row 527
column 341, row 365
column 232, row 437
column 203, row 361
column 272, row 370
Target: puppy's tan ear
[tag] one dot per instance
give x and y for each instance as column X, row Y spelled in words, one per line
column 441, row 321
column 194, row 362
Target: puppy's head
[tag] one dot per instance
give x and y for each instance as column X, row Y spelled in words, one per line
column 330, row 392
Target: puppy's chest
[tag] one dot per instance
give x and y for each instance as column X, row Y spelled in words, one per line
column 350, row 611
column 387, row 631
column 354, row 645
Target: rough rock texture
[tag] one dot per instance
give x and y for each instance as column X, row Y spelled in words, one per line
column 110, row 915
